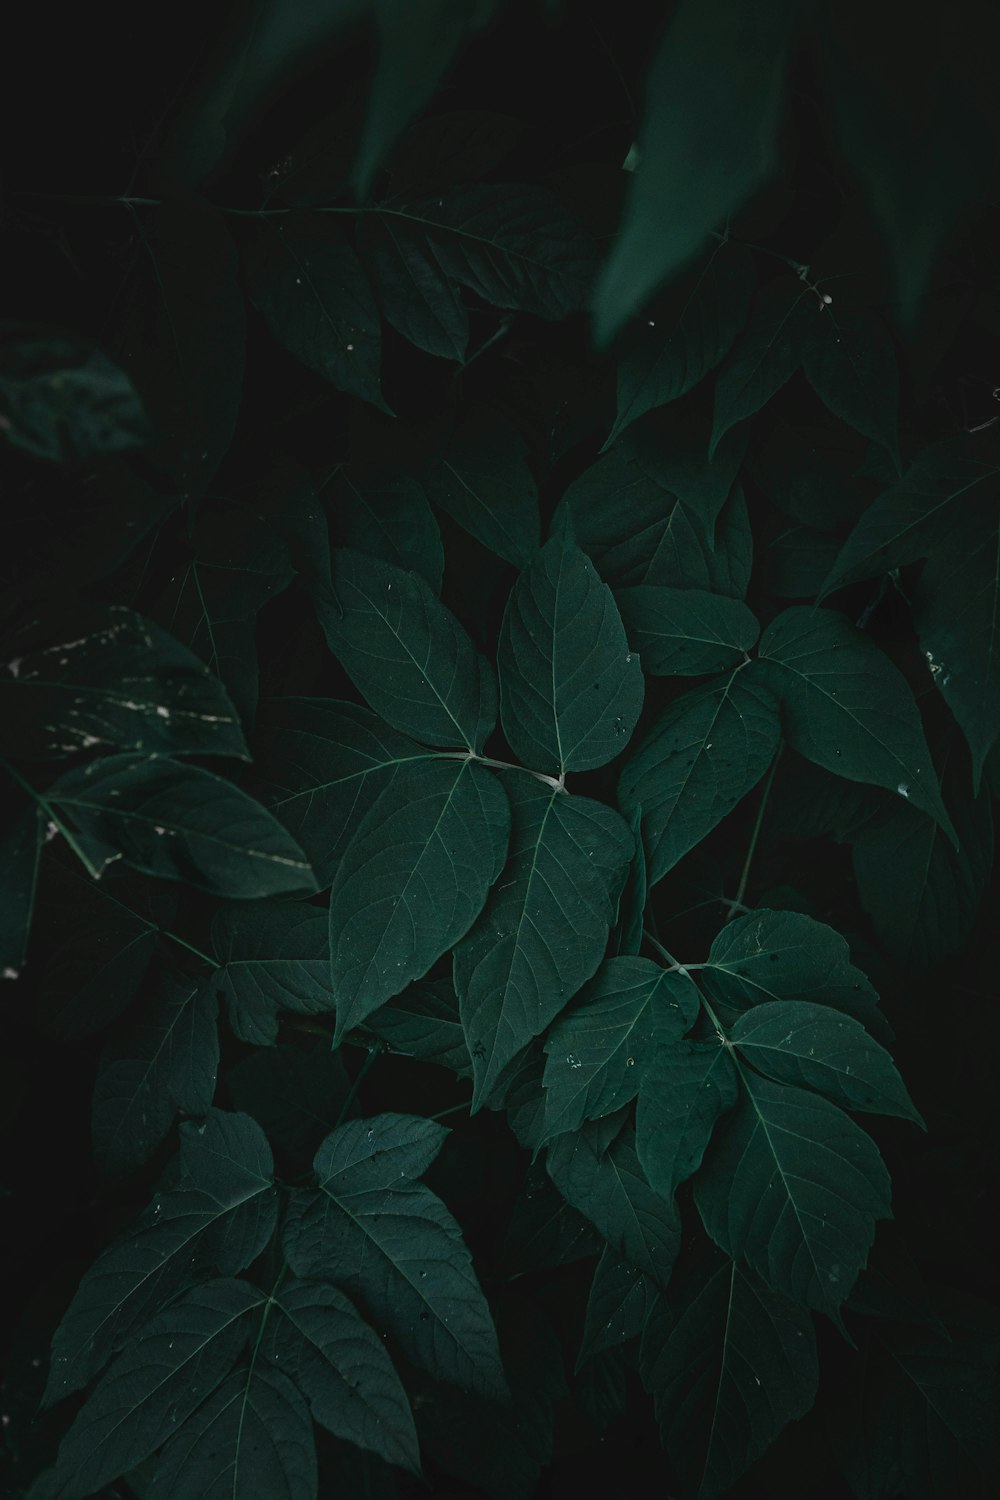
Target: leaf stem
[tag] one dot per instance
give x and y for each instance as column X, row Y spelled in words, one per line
column 557, row 783
column 183, row 943
column 674, row 963
column 352, row 1094
column 453, row 1110
column 737, row 901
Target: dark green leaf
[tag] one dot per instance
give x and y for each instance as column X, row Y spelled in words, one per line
column 766, row 356
column 484, row 483
column 599, row 1052
column 846, row 707
column 793, row 1187
column 607, row 1185
column 407, row 653
column 306, row 280
column 424, row 1022
column 412, row 880
column 795, row 1042
column 545, row 926
column 387, row 516
column 316, row 1336
column 63, row 399
column 713, row 103
column 618, row 1304
column 158, row 1381
column 688, row 1087
column 180, row 823
column 699, row 760
column 798, row 560
column 684, row 632
column 685, row 335
column 20, row 852
column 850, row 363
column 415, row 294
column 633, row 907
column 274, row 957
column 389, row 1242
column 570, row 689
column 295, row 1095
column 737, row 1365
column 167, row 1063
column 544, row 1230
column 107, row 677
column 324, row 763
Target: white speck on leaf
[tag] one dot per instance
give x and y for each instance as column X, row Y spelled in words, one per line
column 903, row 789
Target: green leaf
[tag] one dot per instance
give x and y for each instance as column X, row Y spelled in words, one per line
column 850, row 362
column 686, row 334
column 570, row 689
column 633, row 906
column 416, row 46
column 412, row 880
column 273, row 957
column 167, row 1063
column 915, row 515
column 646, row 512
column 415, row 295
column 424, row 1021
column 391, row 1244
column 795, row 1042
column 180, row 823
column 606, row 1184
column 103, row 676
column 306, row 280
column 738, row 1363
column 684, row 632
column 599, row 1052
column 544, row 1230
column 793, row 1187
column 63, row 399
column 618, row 1304
column 156, row 1382
column 317, row 1337
column 20, row 853
column 407, row 653
column 253, row 1437
column 847, row 708
column 324, row 763
column 511, row 243
column 785, row 955
column 484, row 483
column 708, row 143
column 222, row 1216
column 957, row 616
column 545, row 925
column 698, row 761
column 688, row 1087
column 766, row 356
column 387, row 516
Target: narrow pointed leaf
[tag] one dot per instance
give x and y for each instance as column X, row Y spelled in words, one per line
column 273, row 957
column 407, row 653
column 698, row 761
column 412, row 880
column 545, row 925
column 684, row 632
column 389, row 1243
column 570, row 689
column 846, row 707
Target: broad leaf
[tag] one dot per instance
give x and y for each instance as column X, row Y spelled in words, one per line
column 850, row 363
column 20, row 853
column 415, row 294
column 324, row 763
column 63, row 399
column 766, row 356
column 306, row 280
column 390, row 1243
column 607, row 1185
column 424, row 1022
column 545, row 926
column 407, row 653
column 599, row 1052
column 618, row 1304
column 412, row 880
column 846, row 707
column 793, row 1187
column 737, row 1364
column 794, row 1042
column 688, row 1087
column 570, row 689
column 167, row 1063
column 106, row 677
column 484, row 483
column 317, row 1337
column 273, row 957
column 158, row 1381
column 701, row 757
column 685, row 335
column 684, row 632
column 180, row 823
column 709, row 141
column 220, row 1217
column 387, row 516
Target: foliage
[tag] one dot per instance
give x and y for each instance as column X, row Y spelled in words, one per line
column 500, row 731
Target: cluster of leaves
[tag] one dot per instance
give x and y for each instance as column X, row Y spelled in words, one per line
column 446, row 588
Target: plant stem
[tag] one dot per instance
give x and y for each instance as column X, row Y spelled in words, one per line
column 352, row 1094
column 183, row 943
column 453, row 1110
column 557, row 783
column 737, row 901
column 674, row 963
